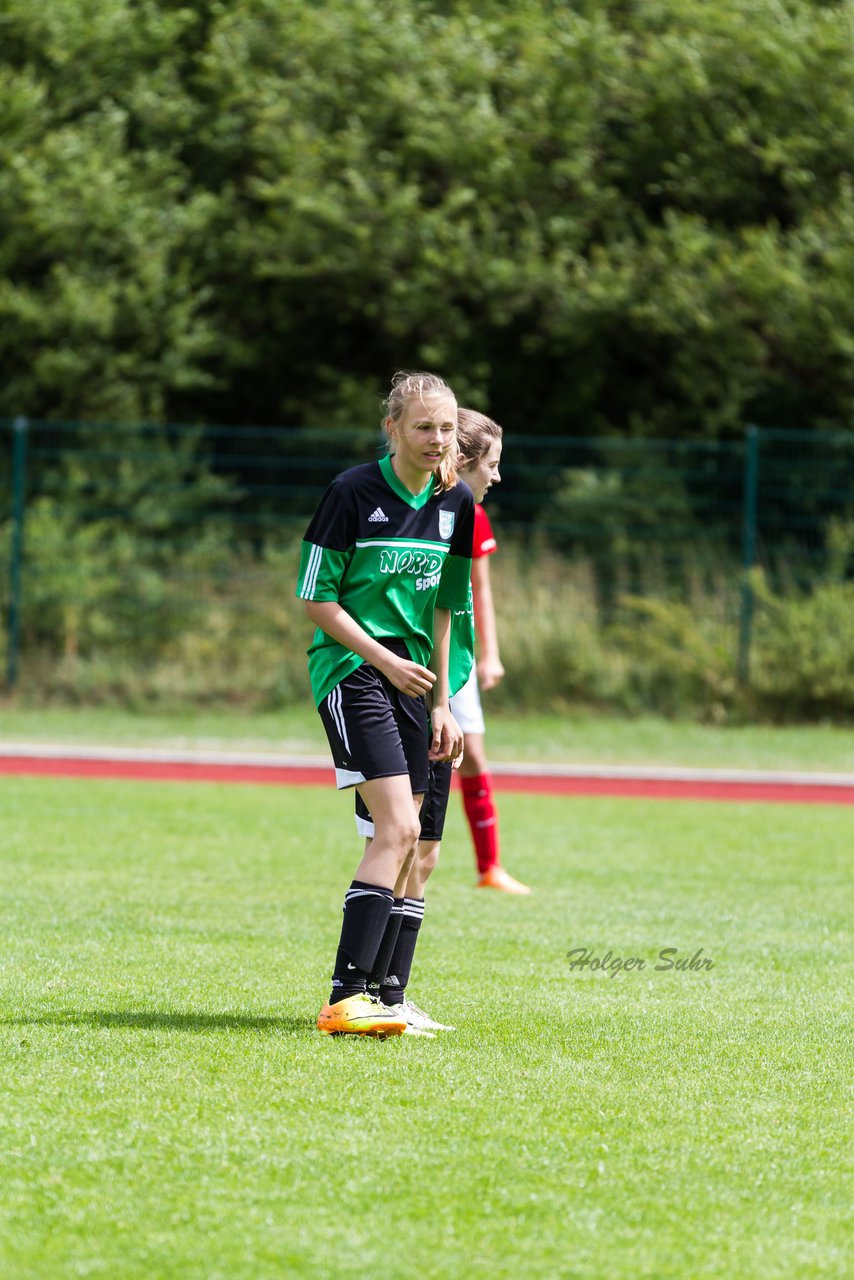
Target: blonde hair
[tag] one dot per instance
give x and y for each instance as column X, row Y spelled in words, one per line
column 475, row 434
column 406, row 387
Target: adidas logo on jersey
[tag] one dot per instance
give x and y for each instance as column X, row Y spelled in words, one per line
column 379, row 517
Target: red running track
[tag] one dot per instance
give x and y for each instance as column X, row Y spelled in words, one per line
column 646, row 787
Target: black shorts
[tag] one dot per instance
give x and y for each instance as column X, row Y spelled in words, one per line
column 374, row 730
column 433, row 809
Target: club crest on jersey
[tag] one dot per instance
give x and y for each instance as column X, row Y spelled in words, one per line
column 446, row 524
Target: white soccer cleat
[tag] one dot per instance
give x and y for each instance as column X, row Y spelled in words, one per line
column 416, row 1019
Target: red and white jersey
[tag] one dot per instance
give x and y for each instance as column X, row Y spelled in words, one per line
column 484, row 538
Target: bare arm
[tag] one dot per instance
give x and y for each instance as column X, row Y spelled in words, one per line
column 409, row 677
column 489, row 667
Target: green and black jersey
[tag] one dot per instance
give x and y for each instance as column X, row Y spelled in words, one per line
column 389, row 557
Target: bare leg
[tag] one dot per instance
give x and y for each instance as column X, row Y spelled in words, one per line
column 391, row 850
column 423, row 866
column 474, row 758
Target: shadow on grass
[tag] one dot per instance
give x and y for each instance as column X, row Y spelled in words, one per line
column 165, row 1021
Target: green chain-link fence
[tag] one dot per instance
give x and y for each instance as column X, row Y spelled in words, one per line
column 130, row 547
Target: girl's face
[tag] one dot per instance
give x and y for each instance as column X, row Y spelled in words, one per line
column 483, row 473
column 425, row 432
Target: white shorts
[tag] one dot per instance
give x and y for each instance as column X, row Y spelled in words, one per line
column 466, row 708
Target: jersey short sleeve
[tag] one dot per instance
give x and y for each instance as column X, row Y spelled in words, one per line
column 327, row 546
column 484, row 538
column 455, row 594
column 456, row 572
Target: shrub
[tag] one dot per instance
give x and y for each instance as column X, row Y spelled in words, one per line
column 803, row 657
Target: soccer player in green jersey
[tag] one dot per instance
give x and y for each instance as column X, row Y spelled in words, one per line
column 479, row 444
column 385, row 563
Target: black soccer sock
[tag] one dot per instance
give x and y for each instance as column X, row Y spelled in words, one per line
column 382, row 964
column 367, row 908
column 392, row 989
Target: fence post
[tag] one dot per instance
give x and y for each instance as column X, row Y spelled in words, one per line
column 750, row 511
column 20, row 428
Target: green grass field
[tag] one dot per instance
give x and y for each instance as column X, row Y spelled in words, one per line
column 169, row 1113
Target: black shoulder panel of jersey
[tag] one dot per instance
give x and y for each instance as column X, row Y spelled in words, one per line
column 360, row 479
column 360, row 504
column 335, row 523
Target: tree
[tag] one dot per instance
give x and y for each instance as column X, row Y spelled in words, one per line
column 596, row 219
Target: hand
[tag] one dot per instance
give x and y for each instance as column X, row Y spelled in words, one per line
column 446, row 740
column 409, row 677
column 489, row 672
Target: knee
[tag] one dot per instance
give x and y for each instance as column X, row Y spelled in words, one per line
column 428, row 856
column 403, row 834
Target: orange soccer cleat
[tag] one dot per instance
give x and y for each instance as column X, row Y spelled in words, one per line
column 360, row 1015
column 497, row 878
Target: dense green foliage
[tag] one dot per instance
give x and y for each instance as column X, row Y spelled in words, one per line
column 606, row 220
column 597, row 218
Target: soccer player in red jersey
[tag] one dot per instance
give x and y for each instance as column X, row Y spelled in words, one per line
column 479, row 442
